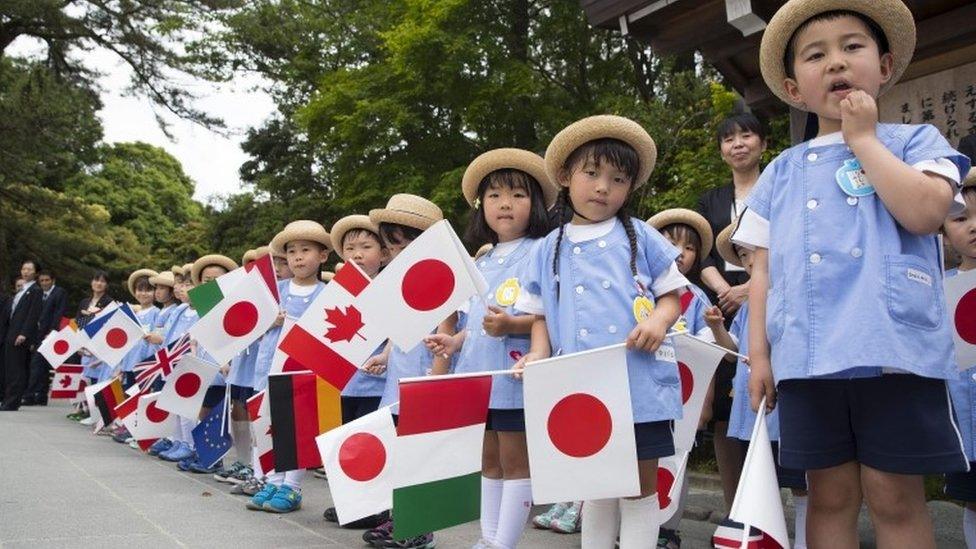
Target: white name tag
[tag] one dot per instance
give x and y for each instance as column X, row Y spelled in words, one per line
column 919, row 276
column 665, row 353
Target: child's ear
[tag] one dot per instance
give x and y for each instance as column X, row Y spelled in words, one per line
column 323, row 255
column 792, row 90
column 563, row 177
column 384, row 255
column 887, row 62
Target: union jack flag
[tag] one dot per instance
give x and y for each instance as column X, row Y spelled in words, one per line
column 161, row 364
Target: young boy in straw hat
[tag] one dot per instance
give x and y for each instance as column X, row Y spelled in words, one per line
column 848, row 336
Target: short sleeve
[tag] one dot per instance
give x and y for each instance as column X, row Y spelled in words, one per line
column 926, row 143
column 670, row 280
column 658, row 252
column 738, row 323
column 752, row 230
column 529, row 300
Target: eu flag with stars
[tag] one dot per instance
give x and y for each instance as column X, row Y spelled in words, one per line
column 212, row 436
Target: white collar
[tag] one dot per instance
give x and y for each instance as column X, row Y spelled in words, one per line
column 580, row 233
column 504, row 249
column 835, row 138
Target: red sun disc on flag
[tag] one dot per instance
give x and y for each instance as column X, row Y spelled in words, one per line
column 427, row 284
column 686, row 299
column 240, row 318
column 665, row 480
column 188, row 384
column 61, row 346
column 362, row 457
column 155, row 414
column 579, row 425
column 965, row 317
column 116, row 338
column 687, row 381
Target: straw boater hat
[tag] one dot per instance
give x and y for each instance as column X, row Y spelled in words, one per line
column 723, row 243
column 185, row 269
column 303, row 229
column 894, row 18
column 261, row 251
column 408, row 209
column 685, row 217
column 176, row 270
column 149, row 273
column 602, row 127
column 502, row 159
column 248, row 257
column 206, row 261
column 482, row 251
column 351, row 223
column 164, row 278
column 970, row 180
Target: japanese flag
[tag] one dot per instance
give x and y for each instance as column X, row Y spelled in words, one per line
column 357, row 458
column 697, row 362
column 580, row 427
column 259, row 413
column 670, row 483
column 152, row 422
column 111, row 335
column 961, row 302
column 185, row 388
column 68, row 381
column 426, row 282
column 59, row 345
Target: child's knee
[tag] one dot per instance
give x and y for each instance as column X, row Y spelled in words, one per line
column 892, row 497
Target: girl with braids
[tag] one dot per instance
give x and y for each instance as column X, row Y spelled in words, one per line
column 606, row 278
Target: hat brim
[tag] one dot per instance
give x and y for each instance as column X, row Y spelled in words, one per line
column 131, row 284
column 970, row 180
column 351, row 223
column 893, row 16
column 162, row 280
column 602, row 127
column 723, row 243
column 508, row 159
column 249, row 256
column 207, row 261
column 686, row 217
column 401, row 217
column 290, row 234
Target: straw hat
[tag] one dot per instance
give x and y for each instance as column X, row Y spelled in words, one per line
column 482, row 251
column 136, row 275
column 164, row 278
column 501, row 159
column 327, row 276
column 601, row 127
column 970, row 180
column 894, row 18
column 186, row 269
column 351, row 223
column 248, row 257
column 686, row 217
column 208, row 260
column 723, row 243
column 261, row 251
column 303, row 229
column 409, row 210
column 177, row 270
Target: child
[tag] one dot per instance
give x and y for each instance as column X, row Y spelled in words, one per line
column 510, row 194
column 405, row 217
column 307, row 245
column 605, row 278
column 846, row 290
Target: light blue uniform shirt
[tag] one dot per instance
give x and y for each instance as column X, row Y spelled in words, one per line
column 412, row 363
column 741, row 417
column 851, row 292
column 242, row 366
column 963, row 392
column 144, row 349
column 595, row 307
column 294, row 307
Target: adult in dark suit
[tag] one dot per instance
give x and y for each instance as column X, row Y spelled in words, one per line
column 54, row 306
column 19, row 329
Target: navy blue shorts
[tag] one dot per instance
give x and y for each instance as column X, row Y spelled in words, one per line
column 896, row 423
column 214, row 395
column 654, row 439
column 506, row 420
column 722, row 399
column 962, row 486
column 788, row 478
column 354, row 407
column 128, row 379
column 240, row 393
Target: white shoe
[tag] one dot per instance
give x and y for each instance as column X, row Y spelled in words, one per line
column 133, row 444
column 90, row 420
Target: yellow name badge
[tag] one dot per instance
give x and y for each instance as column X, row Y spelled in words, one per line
column 507, row 293
column 642, row 308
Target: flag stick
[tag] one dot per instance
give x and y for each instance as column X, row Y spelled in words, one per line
column 457, row 376
column 685, row 333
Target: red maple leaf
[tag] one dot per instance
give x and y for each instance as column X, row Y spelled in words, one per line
column 65, row 381
column 346, row 325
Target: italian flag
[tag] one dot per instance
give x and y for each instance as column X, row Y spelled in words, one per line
column 437, row 475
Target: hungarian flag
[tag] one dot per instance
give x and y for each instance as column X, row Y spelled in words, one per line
column 112, row 334
column 331, row 338
column 68, row 381
column 107, row 397
column 670, row 482
column 297, row 418
column 185, row 388
column 259, row 412
column 59, row 345
column 232, row 316
column 426, row 282
column 580, row 427
column 161, row 364
column 697, row 361
column 437, row 470
column 152, row 422
column 960, row 291
column 358, row 460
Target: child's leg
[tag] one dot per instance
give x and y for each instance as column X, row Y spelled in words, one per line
column 601, row 521
column 516, row 501
column 241, row 431
column 799, row 518
column 640, row 517
column 969, row 524
column 833, row 506
column 491, row 486
column 294, row 479
column 729, row 455
column 897, row 506
column 674, row 522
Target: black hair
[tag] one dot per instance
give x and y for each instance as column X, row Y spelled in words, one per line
column 352, row 233
column 45, row 272
column 100, row 275
column 740, row 122
column 877, row 33
column 621, row 156
column 142, row 283
column 396, row 233
column 969, row 193
column 680, row 232
column 37, row 266
column 478, row 231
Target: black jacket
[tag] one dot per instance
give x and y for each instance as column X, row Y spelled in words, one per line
column 716, row 206
column 53, row 308
column 23, row 320
column 81, row 319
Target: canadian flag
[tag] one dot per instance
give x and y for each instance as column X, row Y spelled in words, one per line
column 697, row 361
column 358, row 462
column 234, row 316
column 670, row 483
column 113, row 333
column 426, row 282
column 59, row 345
column 259, row 412
column 152, row 422
column 185, row 388
column 960, row 291
column 68, row 381
column 580, row 427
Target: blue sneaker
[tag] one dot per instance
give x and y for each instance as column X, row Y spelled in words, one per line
column 197, row 467
column 190, row 461
column 257, row 501
column 177, row 448
column 179, row 454
column 160, row 446
column 285, row 500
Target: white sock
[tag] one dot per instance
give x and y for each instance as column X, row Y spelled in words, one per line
column 601, row 520
column 800, row 522
column 186, row 428
column 513, row 512
column 256, row 463
column 675, row 521
column 241, row 432
column 276, row 478
column 294, row 479
column 969, row 527
column 639, row 522
column 491, row 498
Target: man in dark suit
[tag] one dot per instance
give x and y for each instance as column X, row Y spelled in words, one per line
column 54, row 305
column 18, row 324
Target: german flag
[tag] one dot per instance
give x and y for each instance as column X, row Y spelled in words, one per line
column 108, row 398
column 302, row 407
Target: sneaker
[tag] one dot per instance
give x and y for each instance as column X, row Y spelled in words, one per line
column 244, row 474
column 729, row 534
column 121, row 435
column 134, row 444
column 285, row 500
column 668, row 539
column 569, row 522
column 184, row 452
column 159, row 446
column 189, row 461
column 544, row 520
column 331, row 515
column 76, row 416
column 197, row 467
column 222, row 474
column 87, row 421
column 425, row 541
column 257, row 501
column 248, row 488
column 380, row 532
